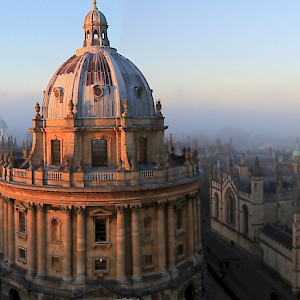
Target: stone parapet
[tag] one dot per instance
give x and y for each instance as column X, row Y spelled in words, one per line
column 96, row 178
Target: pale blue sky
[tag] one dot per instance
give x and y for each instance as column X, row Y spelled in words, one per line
column 217, row 62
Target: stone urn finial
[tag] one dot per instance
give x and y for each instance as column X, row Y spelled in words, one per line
column 120, row 165
column 158, row 108
column 133, row 164
column 11, row 161
column 125, row 105
column 67, row 164
column 41, row 168
column 80, row 166
column 30, row 164
column 37, row 109
column 5, row 160
column 71, row 108
column 158, row 165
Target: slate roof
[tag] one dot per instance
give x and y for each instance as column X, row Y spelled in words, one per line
column 280, row 235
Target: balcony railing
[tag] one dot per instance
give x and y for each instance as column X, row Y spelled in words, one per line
column 50, row 177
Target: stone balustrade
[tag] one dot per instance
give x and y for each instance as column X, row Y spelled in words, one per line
column 53, row 177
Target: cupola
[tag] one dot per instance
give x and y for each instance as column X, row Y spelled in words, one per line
column 95, row 28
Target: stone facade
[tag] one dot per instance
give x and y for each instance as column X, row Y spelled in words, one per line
column 98, row 209
column 246, row 214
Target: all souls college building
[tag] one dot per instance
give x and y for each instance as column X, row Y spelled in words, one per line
column 98, row 209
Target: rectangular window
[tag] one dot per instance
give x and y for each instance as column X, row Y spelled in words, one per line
column 101, row 265
column 148, row 260
column 22, row 222
column 179, row 219
column 100, row 231
column 180, row 252
column 22, row 255
column 55, row 152
column 99, row 153
column 55, row 263
column 142, row 151
column 148, row 232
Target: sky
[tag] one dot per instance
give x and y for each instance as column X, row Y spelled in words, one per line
column 218, row 66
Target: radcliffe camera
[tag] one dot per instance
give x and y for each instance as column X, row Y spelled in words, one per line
column 169, row 179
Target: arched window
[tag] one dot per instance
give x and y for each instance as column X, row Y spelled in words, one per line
column 147, row 228
column 230, row 208
column 99, row 153
column 55, row 230
column 142, row 151
column 96, row 36
column 245, row 220
column 216, row 200
column 55, row 152
column 88, row 35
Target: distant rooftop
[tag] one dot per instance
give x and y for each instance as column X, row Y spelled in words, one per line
column 279, row 234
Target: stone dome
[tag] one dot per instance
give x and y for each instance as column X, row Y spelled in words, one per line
column 95, row 16
column 97, row 80
column 296, row 153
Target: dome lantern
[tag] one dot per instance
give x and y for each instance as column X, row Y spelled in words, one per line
column 95, row 28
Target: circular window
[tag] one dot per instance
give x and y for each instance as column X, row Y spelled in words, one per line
column 98, row 90
column 58, row 91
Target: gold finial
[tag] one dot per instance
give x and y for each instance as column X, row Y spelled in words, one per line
column 94, row 4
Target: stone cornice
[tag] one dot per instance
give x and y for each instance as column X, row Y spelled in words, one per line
column 93, row 196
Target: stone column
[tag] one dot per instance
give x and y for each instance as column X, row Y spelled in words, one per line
column 190, row 228
column 31, row 235
column 41, row 241
column 161, row 238
column 195, row 224
column 5, row 229
column 81, row 245
column 135, row 236
column 171, row 234
column 120, row 243
column 198, row 206
column 67, row 242
column 11, row 232
column 1, row 225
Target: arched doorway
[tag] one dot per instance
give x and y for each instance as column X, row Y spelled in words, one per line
column 189, row 292
column 13, row 295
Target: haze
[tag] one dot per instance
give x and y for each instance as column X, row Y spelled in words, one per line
column 214, row 64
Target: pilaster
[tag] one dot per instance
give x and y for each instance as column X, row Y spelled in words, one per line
column 171, row 234
column 195, row 223
column 67, row 242
column 81, row 244
column 5, row 228
column 41, row 241
column 136, row 248
column 31, row 233
column 161, row 237
column 120, row 243
column 198, row 220
column 1, row 225
column 190, row 228
column 11, row 232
